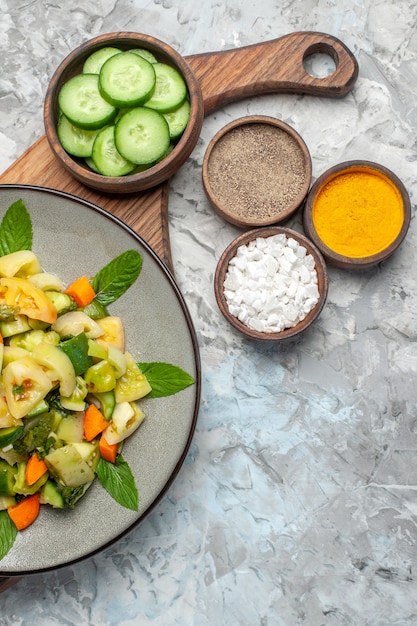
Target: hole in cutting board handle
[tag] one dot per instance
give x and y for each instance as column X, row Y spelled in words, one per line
column 320, row 60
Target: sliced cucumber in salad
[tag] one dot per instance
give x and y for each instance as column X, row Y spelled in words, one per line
column 113, row 89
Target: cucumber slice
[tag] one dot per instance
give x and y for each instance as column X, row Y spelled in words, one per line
column 106, row 157
column 142, row 135
column 76, row 141
column 95, row 61
column 81, row 102
column 146, row 54
column 170, row 89
column 90, row 163
column 127, row 80
column 178, row 119
column 9, row 435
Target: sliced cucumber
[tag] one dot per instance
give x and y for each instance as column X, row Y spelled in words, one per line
column 127, row 79
column 90, row 163
column 170, row 89
column 76, row 141
column 95, row 61
column 146, row 54
column 81, row 102
column 107, row 158
column 142, row 135
column 178, row 119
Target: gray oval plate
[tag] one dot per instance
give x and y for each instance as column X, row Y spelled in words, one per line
column 70, row 237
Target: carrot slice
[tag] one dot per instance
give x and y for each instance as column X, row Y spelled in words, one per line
column 25, row 512
column 108, row 451
column 35, row 468
column 81, row 290
column 94, row 422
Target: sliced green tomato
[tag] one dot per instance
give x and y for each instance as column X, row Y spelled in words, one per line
column 57, row 366
column 76, row 322
column 127, row 80
column 19, row 263
column 11, row 353
column 133, row 385
column 170, row 89
column 100, row 377
column 46, row 281
column 126, row 418
column 106, row 157
column 81, row 102
column 32, row 338
column 6, row 418
column 113, row 331
column 17, row 326
column 31, row 300
column 178, row 119
column 142, row 136
column 76, row 401
column 117, row 359
column 94, row 63
column 25, row 384
column 75, row 140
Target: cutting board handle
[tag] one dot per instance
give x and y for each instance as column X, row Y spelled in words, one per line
column 275, row 66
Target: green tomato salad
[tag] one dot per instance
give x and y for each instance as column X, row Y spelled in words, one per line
column 70, row 391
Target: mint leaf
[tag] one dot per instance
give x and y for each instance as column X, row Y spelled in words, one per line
column 8, row 533
column 16, row 229
column 117, row 276
column 165, row 379
column 118, row 480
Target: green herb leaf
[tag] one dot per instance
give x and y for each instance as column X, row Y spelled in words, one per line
column 16, row 229
column 165, row 379
column 118, row 480
column 8, row 533
column 117, row 276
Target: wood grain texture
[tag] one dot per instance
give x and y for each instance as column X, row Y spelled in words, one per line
column 274, row 66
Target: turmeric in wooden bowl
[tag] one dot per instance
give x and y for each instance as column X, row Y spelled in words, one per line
column 357, row 213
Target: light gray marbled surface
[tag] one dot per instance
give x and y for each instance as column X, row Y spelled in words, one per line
column 297, row 503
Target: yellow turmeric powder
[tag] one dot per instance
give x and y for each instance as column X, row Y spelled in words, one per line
column 358, row 212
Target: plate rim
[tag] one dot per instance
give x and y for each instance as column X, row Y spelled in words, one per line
column 196, row 356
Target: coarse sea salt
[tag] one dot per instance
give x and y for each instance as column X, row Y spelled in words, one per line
column 271, row 283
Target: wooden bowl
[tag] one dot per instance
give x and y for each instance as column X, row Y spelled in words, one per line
column 223, row 266
column 362, row 226
column 256, row 171
column 158, row 173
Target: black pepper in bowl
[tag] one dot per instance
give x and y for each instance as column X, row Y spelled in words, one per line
column 256, row 171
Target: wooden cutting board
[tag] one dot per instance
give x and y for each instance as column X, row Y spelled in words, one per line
column 275, row 66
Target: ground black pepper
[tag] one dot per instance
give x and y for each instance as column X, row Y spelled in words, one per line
column 256, row 170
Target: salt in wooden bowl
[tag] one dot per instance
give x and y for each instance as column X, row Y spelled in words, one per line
column 159, row 172
column 222, row 270
column 256, row 171
column 357, row 213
